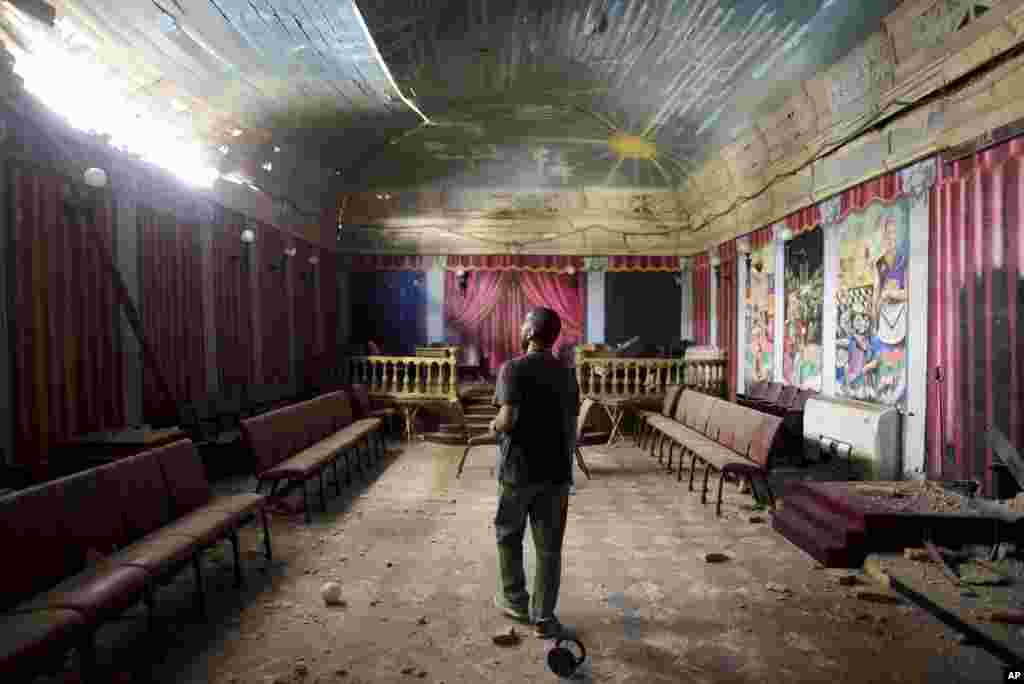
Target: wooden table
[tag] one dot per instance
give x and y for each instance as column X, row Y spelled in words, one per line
column 616, row 408
column 924, row 585
column 96, row 448
column 411, row 406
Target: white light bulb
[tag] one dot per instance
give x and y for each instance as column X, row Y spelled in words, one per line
column 460, row 273
column 95, row 178
column 314, row 260
column 248, row 236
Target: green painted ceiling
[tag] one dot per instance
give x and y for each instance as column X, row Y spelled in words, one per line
column 527, row 92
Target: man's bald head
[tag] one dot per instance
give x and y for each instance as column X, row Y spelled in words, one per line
column 541, row 325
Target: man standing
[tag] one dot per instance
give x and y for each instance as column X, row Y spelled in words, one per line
column 536, row 425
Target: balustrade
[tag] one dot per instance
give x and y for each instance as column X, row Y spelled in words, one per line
column 411, row 377
column 598, row 374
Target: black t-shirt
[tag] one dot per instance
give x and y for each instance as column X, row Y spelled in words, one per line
column 539, row 447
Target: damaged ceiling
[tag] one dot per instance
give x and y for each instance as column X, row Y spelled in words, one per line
column 617, row 94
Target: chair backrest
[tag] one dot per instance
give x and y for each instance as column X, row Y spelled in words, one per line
column 757, row 389
column 672, row 395
column 764, row 439
column 772, row 392
column 587, row 409
column 471, row 355
column 185, row 475
column 737, row 427
column 142, row 491
column 360, row 396
column 29, row 526
column 91, row 513
column 801, row 399
column 787, row 396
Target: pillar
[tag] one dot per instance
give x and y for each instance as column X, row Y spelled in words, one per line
column 435, row 300
column 595, row 269
column 917, row 182
column 686, row 294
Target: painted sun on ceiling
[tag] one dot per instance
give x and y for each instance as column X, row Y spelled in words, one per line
column 606, row 92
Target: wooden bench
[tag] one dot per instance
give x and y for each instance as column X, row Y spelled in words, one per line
column 87, row 547
column 727, row 437
column 297, row 443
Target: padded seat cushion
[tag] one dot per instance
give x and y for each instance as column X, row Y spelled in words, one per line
column 90, row 514
column 158, row 552
column 205, row 526
column 593, row 438
column 28, row 639
column 243, row 503
column 302, row 465
column 381, row 413
column 99, row 591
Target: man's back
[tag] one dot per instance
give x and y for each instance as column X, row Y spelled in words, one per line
column 538, row 448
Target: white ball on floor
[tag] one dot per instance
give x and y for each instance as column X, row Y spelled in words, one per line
column 331, row 593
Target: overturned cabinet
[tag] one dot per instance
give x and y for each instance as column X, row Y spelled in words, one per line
column 867, row 437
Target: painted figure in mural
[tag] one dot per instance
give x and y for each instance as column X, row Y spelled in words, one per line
column 862, row 350
column 890, row 310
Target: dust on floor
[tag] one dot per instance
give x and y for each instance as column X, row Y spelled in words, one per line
column 413, row 549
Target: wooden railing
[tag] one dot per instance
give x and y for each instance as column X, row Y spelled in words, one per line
column 598, row 374
column 402, row 377
column 437, row 352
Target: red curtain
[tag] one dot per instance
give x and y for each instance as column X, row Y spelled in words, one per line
column 975, row 321
column 514, row 262
column 171, row 269
column 727, row 318
column 67, row 346
column 275, row 275
column 327, row 281
column 643, row 263
column 806, row 219
column 701, row 299
column 232, row 300
column 565, row 295
column 305, row 306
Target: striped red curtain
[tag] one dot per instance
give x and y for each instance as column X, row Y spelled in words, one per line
column 67, row 347
column 643, row 263
column 975, row 321
column 275, row 276
column 514, row 262
column 232, row 301
column 727, row 317
column 171, row 274
column 702, row 299
column 330, row 310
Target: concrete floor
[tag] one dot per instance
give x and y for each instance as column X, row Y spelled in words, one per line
column 414, row 551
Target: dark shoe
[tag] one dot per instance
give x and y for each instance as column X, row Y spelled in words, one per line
column 517, row 613
column 552, row 629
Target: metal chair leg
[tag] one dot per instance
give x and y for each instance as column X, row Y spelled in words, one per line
column 671, row 448
column 237, row 557
column 267, row 551
column 582, row 463
column 704, row 489
column 323, row 495
column 305, row 502
column 693, row 469
column 334, row 467
column 718, row 502
column 462, row 462
column 348, row 467
column 197, row 568
column 87, row 657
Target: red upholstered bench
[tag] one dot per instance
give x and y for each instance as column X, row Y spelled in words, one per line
column 99, row 541
column 297, row 443
column 727, row 437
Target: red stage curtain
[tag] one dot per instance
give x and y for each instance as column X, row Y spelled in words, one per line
column 727, row 318
column 975, row 320
column 514, row 262
column 274, row 282
column 236, row 353
column 171, row 270
column 67, row 347
column 701, row 299
column 807, row 218
column 565, row 296
column 643, row 263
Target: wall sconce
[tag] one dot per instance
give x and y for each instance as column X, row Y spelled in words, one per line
column 743, row 247
column 571, row 272
column 248, row 236
column 308, row 277
column 279, row 265
column 463, row 281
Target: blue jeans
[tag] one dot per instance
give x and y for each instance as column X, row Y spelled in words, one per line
column 546, row 506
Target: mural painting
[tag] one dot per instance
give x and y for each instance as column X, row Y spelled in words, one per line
column 872, row 304
column 761, row 314
column 804, row 293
